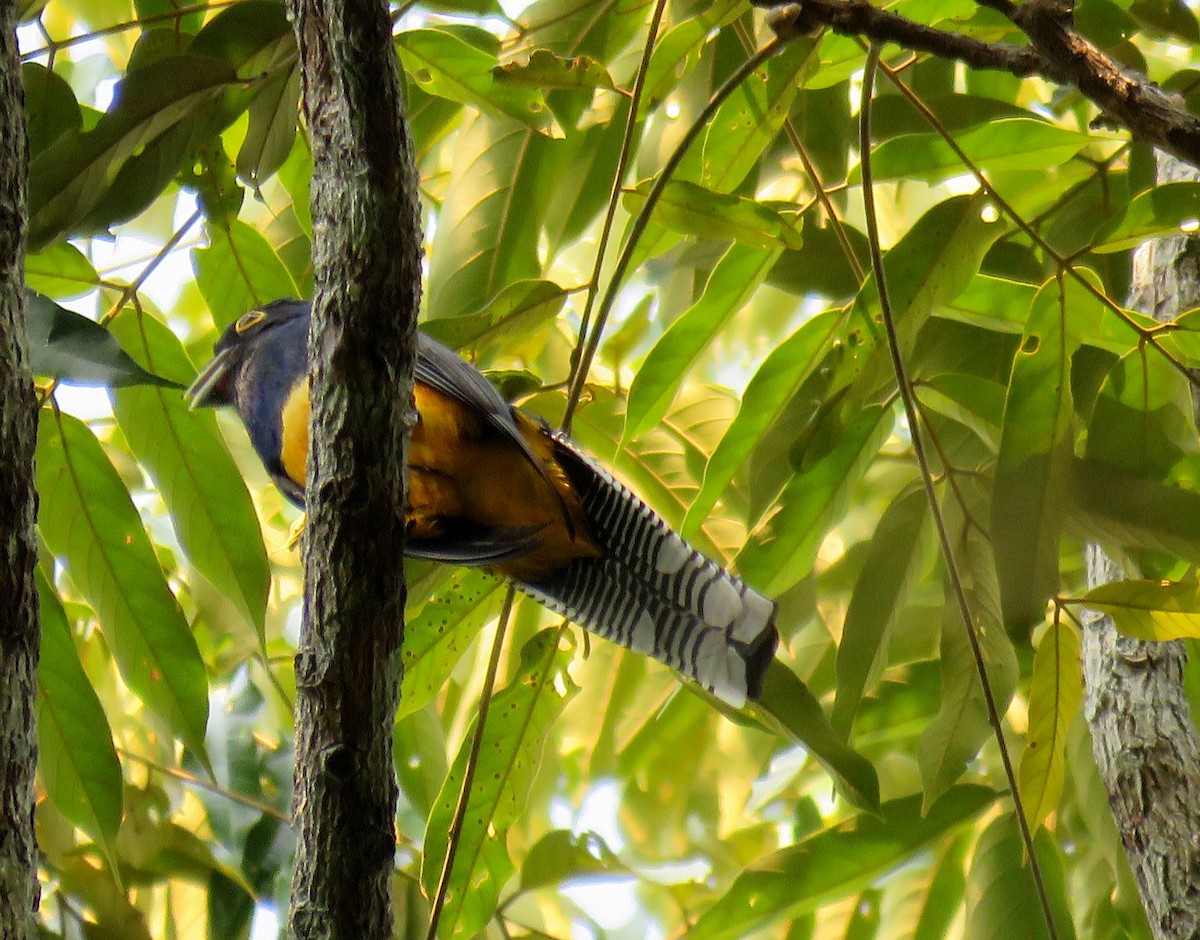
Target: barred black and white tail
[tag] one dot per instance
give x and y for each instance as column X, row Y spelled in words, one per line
column 652, row 592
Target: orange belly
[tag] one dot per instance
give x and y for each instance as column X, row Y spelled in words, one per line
column 462, row 472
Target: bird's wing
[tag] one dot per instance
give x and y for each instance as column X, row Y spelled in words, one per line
column 445, row 371
column 480, row 549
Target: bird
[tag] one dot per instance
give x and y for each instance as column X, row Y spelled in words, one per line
column 493, row 488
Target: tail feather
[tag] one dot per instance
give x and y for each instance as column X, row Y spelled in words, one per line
column 653, row 593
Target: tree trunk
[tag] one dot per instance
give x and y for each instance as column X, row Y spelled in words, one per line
column 1143, row 738
column 366, row 255
column 18, row 515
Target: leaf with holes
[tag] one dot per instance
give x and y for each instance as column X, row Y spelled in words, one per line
column 1033, row 465
column 438, row 634
column 448, row 66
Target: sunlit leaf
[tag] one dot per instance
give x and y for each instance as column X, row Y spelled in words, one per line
column 1150, row 610
column 544, row 69
column 733, row 281
column 186, row 457
column 61, row 271
column 1158, row 211
column 518, row 308
column 239, row 270
column 76, row 760
column 437, row 636
column 1015, row 144
column 443, row 64
column 88, row 519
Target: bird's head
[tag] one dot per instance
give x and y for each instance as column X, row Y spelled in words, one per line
column 269, row 336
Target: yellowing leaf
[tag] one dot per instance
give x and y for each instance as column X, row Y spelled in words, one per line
column 1054, row 696
column 1150, row 610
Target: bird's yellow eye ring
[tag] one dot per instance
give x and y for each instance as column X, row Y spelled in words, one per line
column 248, row 320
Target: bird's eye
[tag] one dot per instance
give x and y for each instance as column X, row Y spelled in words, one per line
column 248, row 320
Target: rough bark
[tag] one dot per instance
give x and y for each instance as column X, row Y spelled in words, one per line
column 1143, row 739
column 366, row 254
column 19, row 635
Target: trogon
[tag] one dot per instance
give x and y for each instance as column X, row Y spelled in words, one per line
column 493, row 488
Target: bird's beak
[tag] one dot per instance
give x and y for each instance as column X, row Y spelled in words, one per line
column 207, row 390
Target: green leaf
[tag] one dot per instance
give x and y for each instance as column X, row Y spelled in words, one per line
column 942, row 894
column 187, row 459
column 62, row 271
column 953, row 738
column 835, row 863
column 543, row 69
column 271, row 132
column 1033, row 465
column 50, row 107
column 1156, row 212
column 1142, row 421
column 70, row 178
column 76, row 759
column 1126, row 511
column 1006, row 902
column 444, row 64
column 88, row 519
column 239, row 270
column 790, row 709
column 436, row 636
column 677, row 51
column 787, row 367
column 561, row 856
column 1015, row 144
column 749, row 121
column 1150, row 610
column 975, row 403
column 894, row 560
column 730, row 286
column 782, row 549
column 71, row 348
column 481, row 244
column 518, row 308
column 690, row 209
column 1055, row 692
column 518, row 721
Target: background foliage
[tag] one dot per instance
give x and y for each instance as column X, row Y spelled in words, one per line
column 742, row 386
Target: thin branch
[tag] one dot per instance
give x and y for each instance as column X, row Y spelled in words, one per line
column 53, row 46
column 1057, row 53
column 614, row 199
column 904, row 384
column 643, row 217
column 1147, row 335
column 464, row 794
